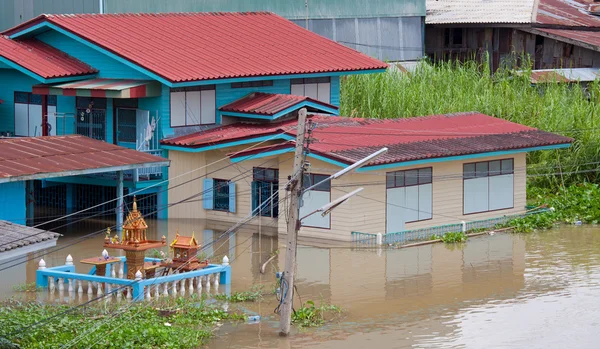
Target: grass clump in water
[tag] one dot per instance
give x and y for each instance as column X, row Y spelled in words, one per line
column 310, row 315
column 30, row 287
column 253, row 295
column 451, row 237
column 187, row 324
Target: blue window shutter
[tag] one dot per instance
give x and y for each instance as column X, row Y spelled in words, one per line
column 232, row 197
column 207, row 194
column 254, row 187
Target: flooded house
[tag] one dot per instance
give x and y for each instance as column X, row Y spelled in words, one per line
column 439, row 170
column 554, row 33
column 129, row 80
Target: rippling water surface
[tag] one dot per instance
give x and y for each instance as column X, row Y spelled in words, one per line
column 503, row 291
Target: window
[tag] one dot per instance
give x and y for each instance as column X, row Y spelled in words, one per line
column 126, row 111
column 193, row 106
column 314, row 199
column 488, row 186
column 409, row 197
column 454, row 37
column 261, row 83
column 315, row 88
column 28, row 114
column 91, row 117
column 219, row 195
column 265, row 191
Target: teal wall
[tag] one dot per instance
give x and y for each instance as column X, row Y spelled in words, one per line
column 10, row 81
column 13, row 207
column 162, row 104
column 108, row 67
column 292, row 9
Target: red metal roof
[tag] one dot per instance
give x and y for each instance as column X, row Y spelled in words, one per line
column 207, row 46
column 42, row 59
column 268, row 103
column 585, row 36
column 61, row 155
column 572, row 13
column 350, row 139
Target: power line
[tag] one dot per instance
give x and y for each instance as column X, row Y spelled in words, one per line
column 101, row 231
column 167, row 180
column 252, row 215
column 228, row 232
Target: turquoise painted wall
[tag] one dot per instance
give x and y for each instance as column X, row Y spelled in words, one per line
column 162, row 105
column 225, row 94
column 109, row 68
column 65, row 121
column 10, row 81
column 335, row 91
column 13, row 207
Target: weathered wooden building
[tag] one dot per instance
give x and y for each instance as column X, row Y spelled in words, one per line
column 391, row 30
column 553, row 33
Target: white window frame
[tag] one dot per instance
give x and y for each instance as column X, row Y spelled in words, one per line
column 199, row 106
column 412, row 183
column 314, row 199
column 479, row 179
column 315, row 88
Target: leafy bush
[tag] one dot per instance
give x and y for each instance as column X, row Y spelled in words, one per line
column 454, row 237
column 532, row 222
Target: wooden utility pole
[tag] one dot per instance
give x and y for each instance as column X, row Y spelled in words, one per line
column 295, row 188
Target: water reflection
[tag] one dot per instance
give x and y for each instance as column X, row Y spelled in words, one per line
column 537, row 290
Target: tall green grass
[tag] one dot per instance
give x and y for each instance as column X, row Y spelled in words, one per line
column 453, row 87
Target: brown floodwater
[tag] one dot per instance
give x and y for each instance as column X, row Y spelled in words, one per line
column 539, row 290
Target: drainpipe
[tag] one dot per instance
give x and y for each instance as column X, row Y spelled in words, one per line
column 101, row 6
column 45, row 115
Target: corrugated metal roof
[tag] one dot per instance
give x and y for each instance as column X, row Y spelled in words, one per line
column 565, row 75
column 292, row 9
column 268, row 104
column 479, row 11
column 65, row 155
column 573, row 13
column 588, row 37
column 15, row 235
column 42, row 59
column 350, row 139
column 207, row 46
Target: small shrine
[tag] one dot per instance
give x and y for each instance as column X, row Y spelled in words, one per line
column 185, row 250
column 134, row 241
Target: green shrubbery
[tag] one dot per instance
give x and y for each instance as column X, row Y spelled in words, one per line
column 187, row 324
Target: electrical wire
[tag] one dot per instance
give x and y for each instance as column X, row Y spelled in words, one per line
column 164, row 190
column 169, row 179
column 254, row 214
column 80, row 239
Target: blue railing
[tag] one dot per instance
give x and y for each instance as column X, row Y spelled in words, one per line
column 138, row 289
column 414, row 235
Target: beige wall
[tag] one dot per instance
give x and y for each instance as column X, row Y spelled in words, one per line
column 365, row 213
column 214, row 167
